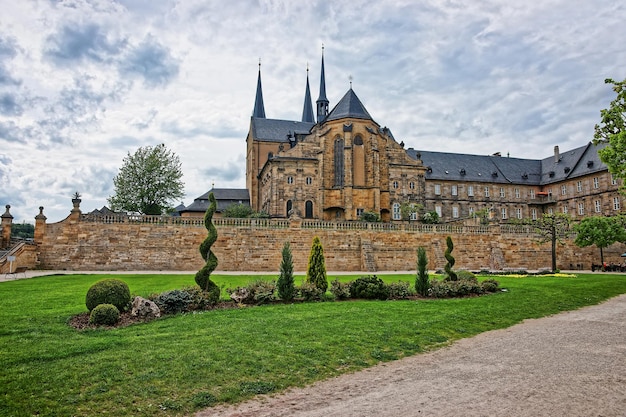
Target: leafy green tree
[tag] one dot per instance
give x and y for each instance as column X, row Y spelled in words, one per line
column 370, row 216
column 422, row 283
column 203, row 276
column 600, row 231
column 448, row 254
column 408, row 210
column 22, row 230
column 149, row 181
column 553, row 228
column 430, row 217
column 316, row 271
column 611, row 130
column 285, row 284
column 239, row 210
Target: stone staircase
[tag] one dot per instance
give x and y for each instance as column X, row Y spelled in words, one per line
column 367, row 257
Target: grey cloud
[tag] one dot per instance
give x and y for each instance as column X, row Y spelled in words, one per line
column 9, row 105
column 11, row 132
column 77, row 43
column 152, row 62
column 8, row 50
column 232, row 171
column 175, row 129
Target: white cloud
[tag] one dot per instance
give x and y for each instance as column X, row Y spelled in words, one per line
column 82, row 83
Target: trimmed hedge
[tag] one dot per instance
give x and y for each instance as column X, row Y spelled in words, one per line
column 108, row 291
column 104, row 315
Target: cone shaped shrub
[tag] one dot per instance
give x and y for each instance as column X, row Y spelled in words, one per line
column 316, row 271
column 285, row 284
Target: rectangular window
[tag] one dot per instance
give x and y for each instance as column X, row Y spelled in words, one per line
column 397, row 215
column 455, row 212
column 470, row 191
column 598, row 206
column 486, row 191
column 517, row 193
column 564, row 209
column 613, row 180
column 502, row 192
column 550, row 211
column 453, row 190
column 414, row 216
column 471, row 211
column 533, row 213
column 437, row 189
column 438, row 211
column 616, row 203
column 518, row 213
column 563, row 189
column 581, row 209
column 532, row 194
column 359, row 212
column 579, row 186
column 503, row 211
column 596, row 182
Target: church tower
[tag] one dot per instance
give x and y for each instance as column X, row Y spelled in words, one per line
column 322, row 101
column 259, row 108
column 307, row 111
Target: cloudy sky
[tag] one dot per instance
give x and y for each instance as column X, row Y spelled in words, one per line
column 83, row 83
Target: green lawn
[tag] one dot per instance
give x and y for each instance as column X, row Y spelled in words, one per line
column 179, row 364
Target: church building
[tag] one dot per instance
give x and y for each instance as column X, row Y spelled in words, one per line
column 337, row 164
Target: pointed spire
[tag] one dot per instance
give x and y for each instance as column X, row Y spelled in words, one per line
column 259, row 108
column 307, row 112
column 322, row 101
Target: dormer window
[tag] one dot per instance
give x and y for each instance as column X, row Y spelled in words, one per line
column 462, row 171
column 551, row 174
column 589, row 164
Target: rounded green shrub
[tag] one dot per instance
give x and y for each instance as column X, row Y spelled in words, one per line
column 369, row 287
column 464, row 275
column 174, row 301
column 108, row 291
column 104, row 315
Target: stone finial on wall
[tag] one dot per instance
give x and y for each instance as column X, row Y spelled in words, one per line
column 7, row 221
column 40, row 226
column 75, row 213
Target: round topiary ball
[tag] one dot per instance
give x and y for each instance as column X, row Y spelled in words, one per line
column 104, row 314
column 108, row 291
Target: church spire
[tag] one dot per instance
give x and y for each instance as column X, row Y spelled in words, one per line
column 259, row 108
column 322, row 101
column 307, row 112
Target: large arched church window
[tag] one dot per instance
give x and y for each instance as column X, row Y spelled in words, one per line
column 358, row 161
column 338, row 154
column 308, row 209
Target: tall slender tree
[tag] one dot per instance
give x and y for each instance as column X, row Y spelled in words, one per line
column 285, row 284
column 316, row 271
column 422, row 283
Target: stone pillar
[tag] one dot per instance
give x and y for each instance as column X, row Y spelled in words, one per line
column 40, row 226
column 7, row 221
column 75, row 213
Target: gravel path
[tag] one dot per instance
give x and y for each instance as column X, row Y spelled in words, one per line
column 570, row 364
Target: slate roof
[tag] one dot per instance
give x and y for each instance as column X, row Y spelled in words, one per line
column 273, row 130
column 494, row 169
column 224, row 197
column 349, row 106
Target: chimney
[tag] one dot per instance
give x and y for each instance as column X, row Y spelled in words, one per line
column 557, row 157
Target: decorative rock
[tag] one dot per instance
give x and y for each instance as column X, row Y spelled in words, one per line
column 240, row 295
column 145, row 308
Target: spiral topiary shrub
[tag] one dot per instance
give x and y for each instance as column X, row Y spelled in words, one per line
column 203, row 276
column 104, row 315
column 451, row 274
column 108, row 291
column 369, row 287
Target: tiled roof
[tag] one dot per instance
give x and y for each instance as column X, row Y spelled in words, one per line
column 273, row 130
column 479, row 168
column 349, row 107
column 224, row 197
